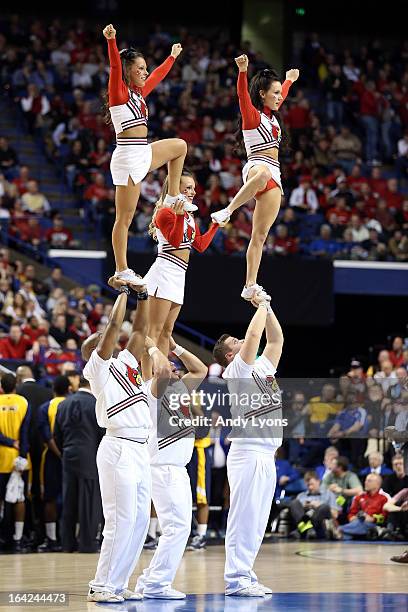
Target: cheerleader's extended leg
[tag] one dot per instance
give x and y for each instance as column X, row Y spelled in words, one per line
column 163, row 342
column 126, row 199
column 265, row 213
column 258, row 177
column 172, row 151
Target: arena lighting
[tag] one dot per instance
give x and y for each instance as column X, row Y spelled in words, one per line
column 300, row 11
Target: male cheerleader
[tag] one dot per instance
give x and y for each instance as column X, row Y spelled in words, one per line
column 122, row 458
column 171, row 446
column 255, row 396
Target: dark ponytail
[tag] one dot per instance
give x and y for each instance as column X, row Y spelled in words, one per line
column 262, row 81
column 127, row 57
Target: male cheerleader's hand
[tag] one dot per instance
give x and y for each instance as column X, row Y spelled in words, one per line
column 178, row 207
column 109, row 32
column 259, row 298
column 116, row 283
column 172, row 344
column 176, row 50
column 242, row 62
column 292, row 75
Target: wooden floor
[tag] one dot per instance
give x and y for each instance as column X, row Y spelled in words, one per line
column 286, row 567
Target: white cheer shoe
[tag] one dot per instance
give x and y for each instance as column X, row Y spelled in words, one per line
column 221, row 216
column 129, row 276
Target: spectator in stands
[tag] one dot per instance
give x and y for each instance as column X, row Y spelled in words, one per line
column 150, row 188
column 366, row 512
column 298, row 416
column 282, row 244
column 59, row 329
column 398, row 480
column 376, row 465
column 397, row 507
column 322, row 408
column 310, row 510
column 386, row 376
column 342, row 481
column 358, row 230
column 35, row 106
column 8, row 159
column 33, row 200
column 398, row 246
column 304, row 198
column 55, row 278
column 324, row 246
column 346, row 147
column 14, row 345
column 286, row 477
column 396, row 354
column 336, row 87
column 59, row 236
column 330, row 454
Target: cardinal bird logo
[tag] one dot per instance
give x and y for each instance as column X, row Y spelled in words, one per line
column 134, row 376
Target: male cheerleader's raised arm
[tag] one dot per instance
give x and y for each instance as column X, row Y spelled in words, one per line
column 110, row 335
column 274, row 338
column 170, row 222
column 197, row 370
column 137, row 338
column 161, row 71
column 117, row 90
column 161, row 368
column 203, row 241
column 249, row 349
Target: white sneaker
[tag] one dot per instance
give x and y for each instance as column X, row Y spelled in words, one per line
column 221, row 216
column 248, row 293
column 129, row 595
column 265, row 589
column 188, row 206
column 105, row 596
column 130, row 277
column 167, row 593
column 254, row 590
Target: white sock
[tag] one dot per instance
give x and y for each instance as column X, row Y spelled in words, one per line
column 153, row 527
column 18, row 530
column 51, row 530
column 201, row 529
column 170, row 200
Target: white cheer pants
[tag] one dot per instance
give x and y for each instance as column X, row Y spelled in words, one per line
column 171, row 494
column 252, row 480
column 124, row 477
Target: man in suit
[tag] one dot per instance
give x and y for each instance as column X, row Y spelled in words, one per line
column 77, row 435
column 36, row 395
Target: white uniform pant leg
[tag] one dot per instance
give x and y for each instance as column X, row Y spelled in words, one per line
column 252, row 480
column 171, row 494
column 125, row 491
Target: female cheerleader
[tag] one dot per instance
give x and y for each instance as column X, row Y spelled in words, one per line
column 176, row 233
column 133, row 157
column 262, row 133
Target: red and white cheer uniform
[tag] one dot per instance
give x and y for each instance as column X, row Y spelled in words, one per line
column 132, row 156
column 166, row 277
column 261, row 131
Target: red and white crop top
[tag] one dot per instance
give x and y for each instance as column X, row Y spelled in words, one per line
column 260, row 130
column 181, row 232
column 127, row 106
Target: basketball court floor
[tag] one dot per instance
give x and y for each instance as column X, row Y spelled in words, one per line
column 323, row 577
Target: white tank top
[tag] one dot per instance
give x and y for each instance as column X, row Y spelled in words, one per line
column 121, row 399
column 189, row 234
column 266, row 136
column 171, row 440
column 131, row 114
